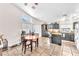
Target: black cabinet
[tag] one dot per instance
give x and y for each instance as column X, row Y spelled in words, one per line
column 56, row 26
column 72, row 37
column 69, row 36
column 50, row 26
column 56, row 39
column 44, row 30
column 53, row 26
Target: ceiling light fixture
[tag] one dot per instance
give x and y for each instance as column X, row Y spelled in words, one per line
column 25, row 4
column 33, row 7
column 64, row 14
column 36, row 3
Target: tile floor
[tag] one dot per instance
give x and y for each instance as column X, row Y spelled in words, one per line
column 67, row 48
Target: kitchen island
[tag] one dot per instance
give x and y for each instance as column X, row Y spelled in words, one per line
column 56, row 38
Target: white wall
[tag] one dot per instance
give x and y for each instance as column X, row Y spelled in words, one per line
column 66, row 23
column 76, row 38
column 37, row 29
column 9, row 23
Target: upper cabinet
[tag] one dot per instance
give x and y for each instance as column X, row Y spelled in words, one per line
column 56, row 26
column 53, row 26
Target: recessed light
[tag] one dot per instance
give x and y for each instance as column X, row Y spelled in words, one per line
column 64, row 14
column 36, row 3
column 33, row 7
column 25, row 4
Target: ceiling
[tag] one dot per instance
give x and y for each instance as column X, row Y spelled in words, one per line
column 49, row 12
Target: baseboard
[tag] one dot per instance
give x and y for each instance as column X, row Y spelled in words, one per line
column 14, row 45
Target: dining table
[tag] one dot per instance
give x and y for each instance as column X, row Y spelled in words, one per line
column 31, row 39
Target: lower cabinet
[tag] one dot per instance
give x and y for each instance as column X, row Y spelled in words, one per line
column 56, row 39
column 69, row 36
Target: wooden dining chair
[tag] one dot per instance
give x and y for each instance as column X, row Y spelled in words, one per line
column 36, row 40
column 22, row 42
column 25, row 44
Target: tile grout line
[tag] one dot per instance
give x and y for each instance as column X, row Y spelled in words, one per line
column 53, row 49
column 71, row 51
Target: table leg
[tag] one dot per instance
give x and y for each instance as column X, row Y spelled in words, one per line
column 37, row 42
column 25, row 48
column 31, row 46
column 22, row 47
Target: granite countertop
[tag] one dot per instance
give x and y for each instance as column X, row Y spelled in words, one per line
column 68, row 32
column 56, row 33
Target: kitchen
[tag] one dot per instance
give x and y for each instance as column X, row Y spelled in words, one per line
column 57, row 25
